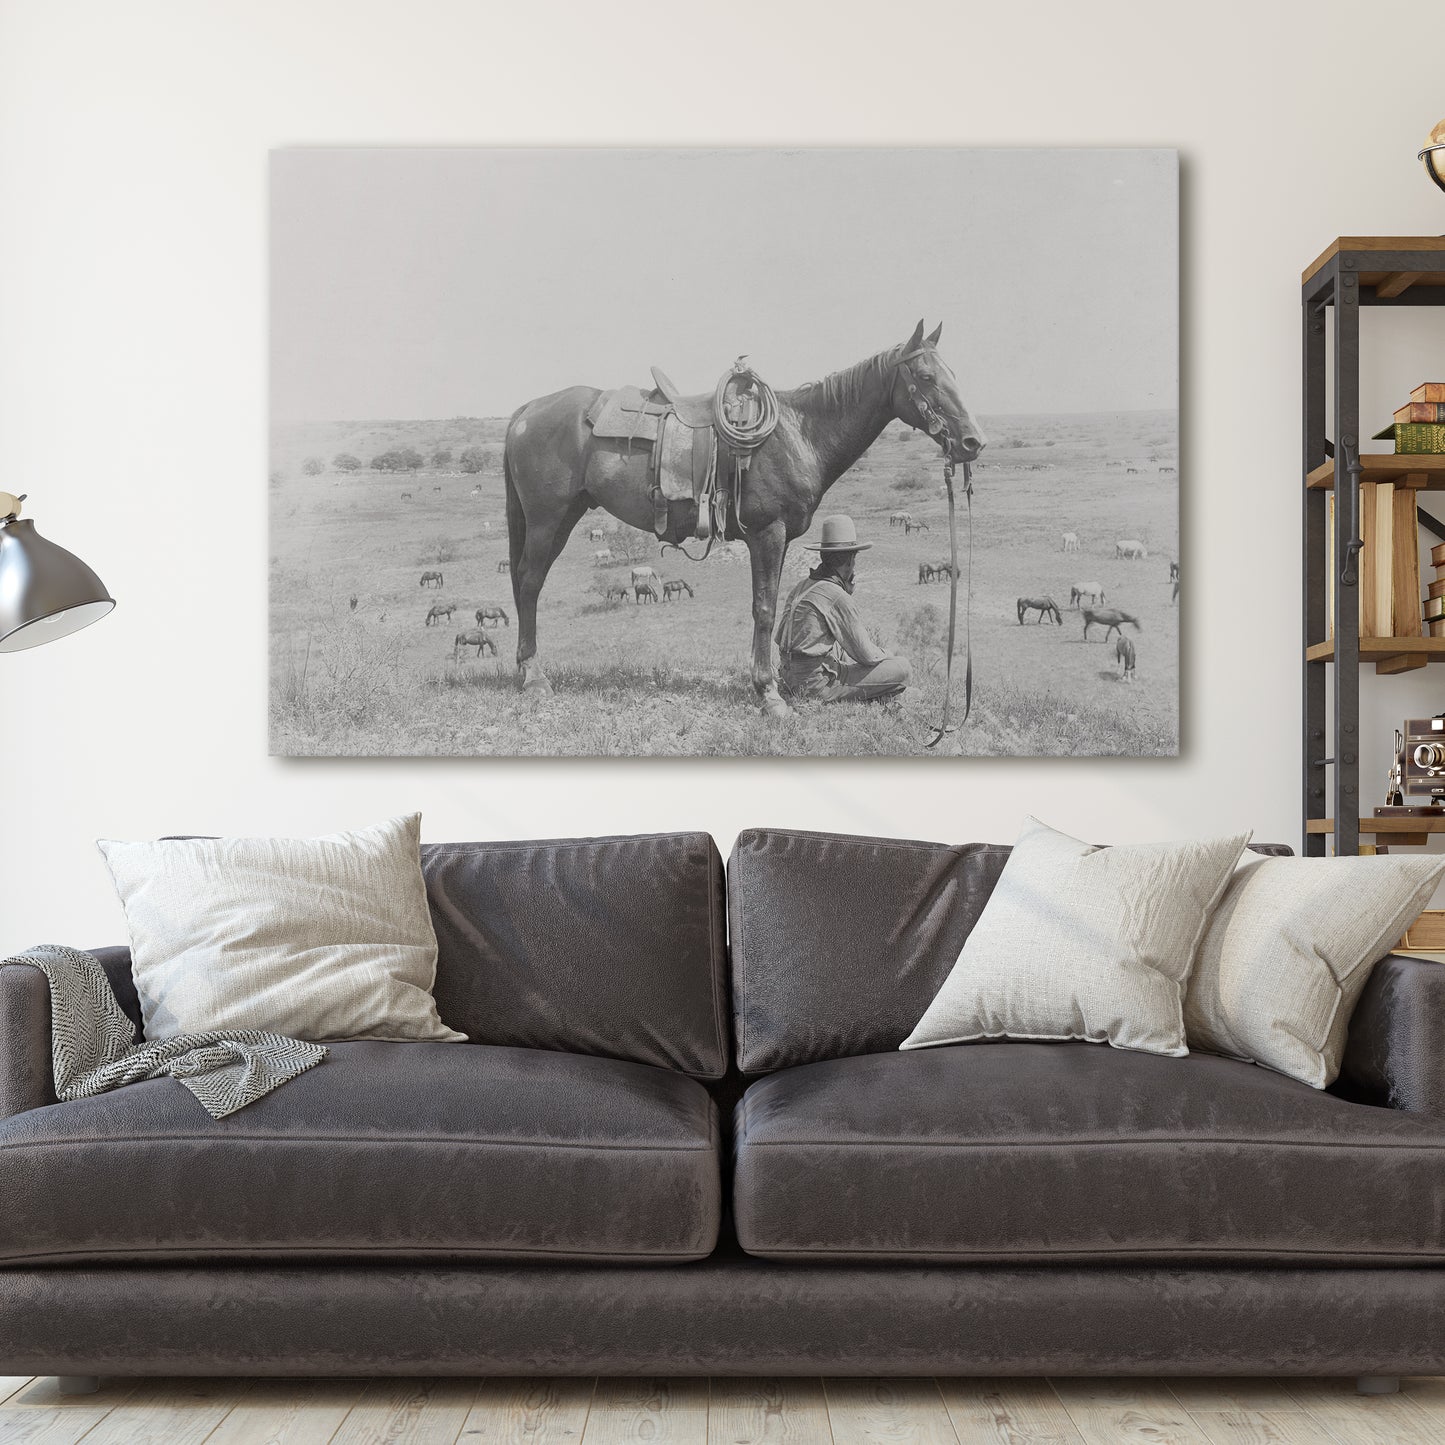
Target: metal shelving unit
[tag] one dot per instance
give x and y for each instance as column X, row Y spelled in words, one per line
column 1354, row 271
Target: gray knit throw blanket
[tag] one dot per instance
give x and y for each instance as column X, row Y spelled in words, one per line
column 92, row 1048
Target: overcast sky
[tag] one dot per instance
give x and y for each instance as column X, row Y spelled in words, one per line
column 417, row 283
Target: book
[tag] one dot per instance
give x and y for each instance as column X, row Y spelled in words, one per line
column 1422, row 411
column 1437, row 589
column 1437, row 626
column 1405, row 566
column 1426, row 933
column 1429, row 391
column 1367, row 588
column 1414, row 438
column 1437, row 555
column 1433, row 607
column 1384, row 544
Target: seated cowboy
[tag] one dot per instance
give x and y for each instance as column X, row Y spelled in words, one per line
column 827, row 652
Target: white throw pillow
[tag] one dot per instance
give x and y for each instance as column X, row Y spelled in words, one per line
column 1289, row 951
column 1082, row 942
column 313, row 938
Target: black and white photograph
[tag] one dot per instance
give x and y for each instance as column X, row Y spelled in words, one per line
column 720, row 453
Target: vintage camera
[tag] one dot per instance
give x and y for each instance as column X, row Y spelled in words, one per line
column 1418, row 773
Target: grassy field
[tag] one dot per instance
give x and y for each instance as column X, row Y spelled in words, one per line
column 673, row 678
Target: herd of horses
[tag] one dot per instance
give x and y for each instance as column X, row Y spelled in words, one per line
column 646, row 585
column 1112, row 619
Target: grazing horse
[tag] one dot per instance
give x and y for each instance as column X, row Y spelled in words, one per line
column 555, row 470
column 925, row 572
column 475, row 492
column 353, row 602
column 432, row 579
column 596, row 534
column 490, row 616
column 406, row 496
column 473, row 637
column 1124, row 653
column 911, row 526
column 504, row 566
column 1110, row 619
column 1094, row 591
column 602, row 556
column 1071, row 541
column 438, row 610
column 646, row 584
column 899, row 519
column 675, row 587
column 1174, row 571
column 619, row 590
column 1044, row 606
column 1131, row 549
column 935, row 571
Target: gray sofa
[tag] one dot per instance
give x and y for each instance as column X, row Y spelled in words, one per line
column 658, row 1155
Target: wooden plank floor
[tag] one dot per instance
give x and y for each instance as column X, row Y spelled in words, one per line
column 721, row 1412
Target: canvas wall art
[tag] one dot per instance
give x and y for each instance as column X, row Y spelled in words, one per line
column 724, row 452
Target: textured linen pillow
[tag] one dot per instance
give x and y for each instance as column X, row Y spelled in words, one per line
column 1289, row 950
column 314, row 938
column 1080, row 942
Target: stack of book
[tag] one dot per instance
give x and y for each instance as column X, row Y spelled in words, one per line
column 1389, row 564
column 1435, row 601
column 1419, row 425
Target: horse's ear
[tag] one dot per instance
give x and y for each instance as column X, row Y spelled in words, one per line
column 935, row 334
column 914, row 341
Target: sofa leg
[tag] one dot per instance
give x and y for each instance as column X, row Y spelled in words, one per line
column 77, row 1384
column 1377, row 1384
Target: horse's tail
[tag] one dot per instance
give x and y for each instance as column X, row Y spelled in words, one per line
column 516, row 517
column 1134, row 623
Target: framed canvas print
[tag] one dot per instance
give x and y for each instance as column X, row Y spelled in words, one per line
column 724, row 452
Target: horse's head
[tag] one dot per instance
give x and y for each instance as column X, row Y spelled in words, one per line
column 925, row 395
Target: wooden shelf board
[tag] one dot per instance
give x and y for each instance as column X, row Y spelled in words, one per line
column 1385, row 650
column 1424, row 473
column 1395, row 826
column 1365, row 244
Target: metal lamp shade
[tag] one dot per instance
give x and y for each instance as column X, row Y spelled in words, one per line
column 45, row 591
column 1433, row 155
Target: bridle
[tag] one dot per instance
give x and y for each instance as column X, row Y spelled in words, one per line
column 936, row 425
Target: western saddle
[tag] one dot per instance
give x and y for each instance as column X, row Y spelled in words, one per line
column 682, row 434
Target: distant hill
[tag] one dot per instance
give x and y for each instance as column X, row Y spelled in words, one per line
column 293, row 441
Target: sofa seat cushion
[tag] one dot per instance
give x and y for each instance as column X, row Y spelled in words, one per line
column 386, row 1150
column 1028, row 1152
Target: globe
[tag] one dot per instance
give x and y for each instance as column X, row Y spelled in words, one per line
column 1434, row 155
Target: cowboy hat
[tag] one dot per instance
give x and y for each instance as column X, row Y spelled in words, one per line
column 839, row 535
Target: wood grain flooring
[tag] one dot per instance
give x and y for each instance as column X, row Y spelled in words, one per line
column 721, row 1412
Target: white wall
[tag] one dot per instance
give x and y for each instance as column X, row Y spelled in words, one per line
column 133, row 143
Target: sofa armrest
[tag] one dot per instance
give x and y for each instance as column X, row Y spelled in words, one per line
column 25, row 1074
column 1395, row 1053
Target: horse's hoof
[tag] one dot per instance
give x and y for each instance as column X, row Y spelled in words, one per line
column 537, row 685
column 775, row 707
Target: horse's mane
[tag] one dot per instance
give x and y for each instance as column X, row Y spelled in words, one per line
column 842, row 390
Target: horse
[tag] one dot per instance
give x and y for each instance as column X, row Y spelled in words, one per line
column 899, row 519
column 925, row 572
column 406, row 496
column 1174, row 571
column 438, row 610
column 473, row 637
column 1131, row 549
column 935, row 571
column 488, row 616
column 1110, row 619
column 353, row 602
column 911, row 526
column 1044, row 606
column 1124, row 653
column 436, row 489
column 1166, row 471
column 618, row 590
column 432, row 579
column 1080, row 590
column 596, row 534
column 602, row 557
column 675, row 587
column 475, row 492
column 646, row 584
column 1071, row 541
column 1131, row 471
column 505, row 566
column 555, row 470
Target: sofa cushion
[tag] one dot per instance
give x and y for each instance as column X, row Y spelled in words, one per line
column 1075, row 1152
column 386, row 1150
column 607, row 946
column 839, row 943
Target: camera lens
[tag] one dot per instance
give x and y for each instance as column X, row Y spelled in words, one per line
column 1430, row 756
